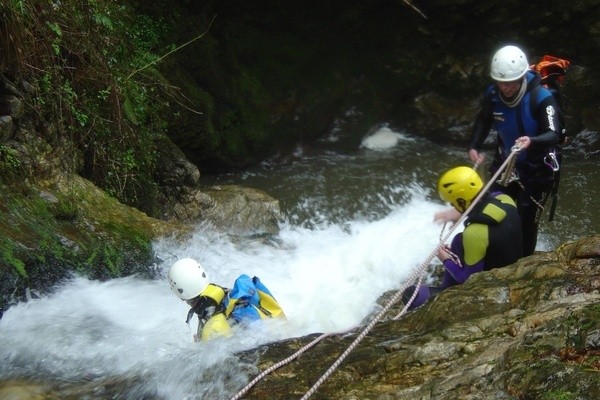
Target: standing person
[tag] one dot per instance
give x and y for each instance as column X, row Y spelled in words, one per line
column 491, row 239
column 525, row 114
column 217, row 307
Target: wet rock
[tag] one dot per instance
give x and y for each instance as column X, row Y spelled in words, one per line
column 6, row 128
column 234, row 209
column 21, row 390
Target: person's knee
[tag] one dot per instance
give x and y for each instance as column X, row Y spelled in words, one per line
column 423, row 294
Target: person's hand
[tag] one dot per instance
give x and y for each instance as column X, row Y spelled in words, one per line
column 523, row 142
column 448, row 215
column 443, row 253
column 476, row 157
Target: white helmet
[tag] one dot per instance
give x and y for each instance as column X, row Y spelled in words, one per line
column 509, row 64
column 187, row 278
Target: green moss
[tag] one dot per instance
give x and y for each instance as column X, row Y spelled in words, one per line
column 8, row 258
column 47, row 233
column 559, row 395
column 578, row 326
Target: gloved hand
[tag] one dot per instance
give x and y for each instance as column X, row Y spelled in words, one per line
column 203, row 306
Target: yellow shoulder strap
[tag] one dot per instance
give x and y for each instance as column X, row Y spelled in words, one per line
column 268, row 303
column 215, row 292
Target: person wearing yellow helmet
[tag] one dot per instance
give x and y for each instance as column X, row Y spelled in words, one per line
column 218, row 307
column 492, row 236
column 524, row 113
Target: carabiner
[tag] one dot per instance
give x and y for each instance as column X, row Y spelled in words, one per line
column 551, row 161
column 515, row 148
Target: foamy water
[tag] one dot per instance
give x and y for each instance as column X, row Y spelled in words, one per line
column 384, row 138
column 326, row 280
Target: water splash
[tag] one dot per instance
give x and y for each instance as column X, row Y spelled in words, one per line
column 384, row 138
column 326, row 280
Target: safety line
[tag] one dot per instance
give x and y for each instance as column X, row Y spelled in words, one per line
column 279, row 364
column 416, row 276
column 396, row 296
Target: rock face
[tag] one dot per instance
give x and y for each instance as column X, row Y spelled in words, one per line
column 234, row 209
column 526, row 331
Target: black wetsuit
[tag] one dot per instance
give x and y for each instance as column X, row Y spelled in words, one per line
column 492, row 238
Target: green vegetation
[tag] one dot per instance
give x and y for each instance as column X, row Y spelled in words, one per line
column 78, row 56
column 559, row 395
column 9, row 162
column 45, row 235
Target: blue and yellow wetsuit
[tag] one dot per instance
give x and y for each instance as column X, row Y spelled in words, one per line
column 218, row 308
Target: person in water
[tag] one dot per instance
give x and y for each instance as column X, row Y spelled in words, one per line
column 526, row 114
column 217, row 307
column 492, row 236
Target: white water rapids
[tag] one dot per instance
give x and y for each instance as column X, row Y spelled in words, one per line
column 327, row 268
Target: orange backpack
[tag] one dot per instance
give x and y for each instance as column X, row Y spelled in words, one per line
column 553, row 70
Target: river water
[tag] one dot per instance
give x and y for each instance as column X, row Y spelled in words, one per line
column 356, row 224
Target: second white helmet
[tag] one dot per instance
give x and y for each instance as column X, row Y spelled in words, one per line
column 508, row 64
column 187, row 278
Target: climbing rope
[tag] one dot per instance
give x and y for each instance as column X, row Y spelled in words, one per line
column 416, row 276
column 280, row 364
column 417, row 273
column 509, row 174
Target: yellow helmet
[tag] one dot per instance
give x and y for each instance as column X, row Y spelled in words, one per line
column 459, row 187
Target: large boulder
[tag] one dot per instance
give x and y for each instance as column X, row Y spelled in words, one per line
column 234, row 209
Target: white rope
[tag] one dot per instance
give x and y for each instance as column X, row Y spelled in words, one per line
column 417, row 276
column 278, row 365
column 421, row 269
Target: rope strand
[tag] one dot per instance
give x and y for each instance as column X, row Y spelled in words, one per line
column 396, row 296
column 416, row 276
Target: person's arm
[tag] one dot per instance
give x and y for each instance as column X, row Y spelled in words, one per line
column 549, row 126
column 481, row 129
column 447, row 215
column 460, row 270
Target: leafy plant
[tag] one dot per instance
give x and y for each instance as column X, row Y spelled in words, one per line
column 8, row 158
column 81, row 55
